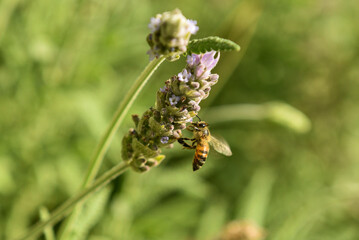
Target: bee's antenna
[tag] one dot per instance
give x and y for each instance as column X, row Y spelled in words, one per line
column 198, row 118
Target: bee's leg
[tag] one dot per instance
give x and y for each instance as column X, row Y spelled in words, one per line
column 194, row 142
column 190, row 128
column 184, row 144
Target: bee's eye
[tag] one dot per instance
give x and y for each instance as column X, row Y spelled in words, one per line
column 202, row 125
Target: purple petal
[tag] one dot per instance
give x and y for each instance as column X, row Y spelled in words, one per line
column 164, row 140
column 214, row 62
column 192, row 28
column 208, row 57
column 206, row 74
column 174, row 99
column 164, row 89
column 184, row 76
column 193, row 60
column 199, row 71
column 154, row 24
column 209, row 61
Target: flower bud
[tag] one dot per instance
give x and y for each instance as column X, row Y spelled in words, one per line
column 170, row 34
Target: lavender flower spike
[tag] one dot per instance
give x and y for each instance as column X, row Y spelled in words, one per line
column 170, row 33
column 177, row 103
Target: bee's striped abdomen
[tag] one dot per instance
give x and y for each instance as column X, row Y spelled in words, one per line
column 200, row 155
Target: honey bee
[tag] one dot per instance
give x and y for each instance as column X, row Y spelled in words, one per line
column 201, row 141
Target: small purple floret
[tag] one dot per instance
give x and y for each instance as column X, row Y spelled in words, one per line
column 154, row 24
column 184, row 76
column 164, row 140
column 193, row 60
column 164, row 89
column 192, row 26
column 174, row 99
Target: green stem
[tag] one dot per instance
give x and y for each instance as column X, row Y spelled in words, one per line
column 67, row 206
column 106, row 140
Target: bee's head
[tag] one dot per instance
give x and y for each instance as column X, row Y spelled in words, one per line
column 199, row 125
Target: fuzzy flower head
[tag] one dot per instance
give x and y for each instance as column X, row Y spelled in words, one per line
column 170, row 34
column 176, row 105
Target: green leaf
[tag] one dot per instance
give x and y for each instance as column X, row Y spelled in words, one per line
column 146, row 151
column 211, row 43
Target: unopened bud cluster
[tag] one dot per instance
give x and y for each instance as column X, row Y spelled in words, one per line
column 170, row 33
column 177, row 103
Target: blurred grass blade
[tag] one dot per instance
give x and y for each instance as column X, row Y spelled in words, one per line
column 235, row 112
column 91, row 213
column 7, row 8
column 212, row 219
column 257, row 196
column 69, row 205
column 278, row 112
column 288, row 116
column 48, row 231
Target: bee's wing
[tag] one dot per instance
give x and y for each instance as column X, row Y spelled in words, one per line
column 220, row 146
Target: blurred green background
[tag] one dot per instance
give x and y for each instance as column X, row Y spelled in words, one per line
column 65, row 66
